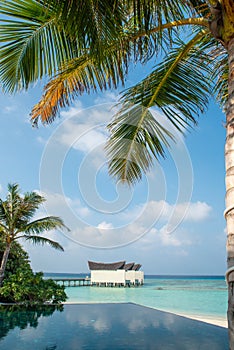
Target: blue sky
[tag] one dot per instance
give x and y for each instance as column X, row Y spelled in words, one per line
column 172, row 222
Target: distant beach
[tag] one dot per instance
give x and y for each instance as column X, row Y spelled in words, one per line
column 201, row 298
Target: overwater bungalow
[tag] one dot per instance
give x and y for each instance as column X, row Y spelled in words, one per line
column 117, row 274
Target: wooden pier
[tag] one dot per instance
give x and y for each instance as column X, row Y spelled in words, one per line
column 74, row 282
column 86, row 282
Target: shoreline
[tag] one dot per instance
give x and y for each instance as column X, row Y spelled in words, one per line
column 217, row 321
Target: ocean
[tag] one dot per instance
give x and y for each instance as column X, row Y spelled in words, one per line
column 199, row 296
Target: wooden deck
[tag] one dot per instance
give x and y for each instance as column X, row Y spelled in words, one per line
column 86, row 282
column 74, row 282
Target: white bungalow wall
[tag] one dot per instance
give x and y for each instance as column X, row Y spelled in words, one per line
column 139, row 275
column 135, row 276
column 118, row 276
column 130, row 276
column 105, row 276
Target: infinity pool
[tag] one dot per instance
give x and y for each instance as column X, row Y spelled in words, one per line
column 106, row 327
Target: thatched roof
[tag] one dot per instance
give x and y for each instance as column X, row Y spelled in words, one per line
column 129, row 266
column 120, row 265
column 136, row 267
column 106, row 266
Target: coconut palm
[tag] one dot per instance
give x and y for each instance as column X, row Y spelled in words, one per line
column 85, row 45
column 16, row 214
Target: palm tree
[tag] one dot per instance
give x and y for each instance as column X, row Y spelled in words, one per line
column 85, row 45
column 16, row 214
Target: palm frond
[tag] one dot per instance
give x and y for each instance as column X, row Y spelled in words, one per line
column 147, row 14
column 3, row 228
column 220, row 75
column 179, row 87
column 20, row 209
column 42, row 241
column 4, row 213
column 44, row 224
column 83, row 74
column 33, row 44
column 158, row 22
column 90, row 22
column 221, row 87
column 10, row 205
column 136, row 137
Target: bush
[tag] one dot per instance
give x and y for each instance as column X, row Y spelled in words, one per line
column 22, row 286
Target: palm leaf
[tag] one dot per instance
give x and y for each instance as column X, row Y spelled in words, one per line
column 221, row 88
column 151, row 13
column 44, row 224
column 90, row 73
column 42, row 241
column 20, row 209
column 179, row 87
column 82, row 75
column 30, row 202
column 89, row 22
column 41, row 39
column 136, row 137
column 220, row 75
column 33, row 44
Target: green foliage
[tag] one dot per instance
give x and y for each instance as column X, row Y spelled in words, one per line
column 27, row 288
column 18, row 258
column 16, row 214
column 133, row 134
column 16, row 221
column 22, row 286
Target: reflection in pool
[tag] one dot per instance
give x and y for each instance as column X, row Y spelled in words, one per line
column 104, row 326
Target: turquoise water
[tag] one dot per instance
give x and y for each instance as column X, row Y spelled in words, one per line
column 198, row 296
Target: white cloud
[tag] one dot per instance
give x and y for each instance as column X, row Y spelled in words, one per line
column 146, row 224
column 196, row 211
column 9, row 109
column 162, row 210
column 61, row 205
column 82, row 137
column 84, row 129
column 105, row 226
column 83, row 211
column 41, row 140
column 170, row 239
column 73, row 111
column 161, row 238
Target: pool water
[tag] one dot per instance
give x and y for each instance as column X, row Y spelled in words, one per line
column 104, row 326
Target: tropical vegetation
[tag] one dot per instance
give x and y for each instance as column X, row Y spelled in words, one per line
column 17, row 221
column 22, row 286
column 83, row 46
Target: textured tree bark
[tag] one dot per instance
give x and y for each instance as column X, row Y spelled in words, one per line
column 229, row 212
column 4, row 262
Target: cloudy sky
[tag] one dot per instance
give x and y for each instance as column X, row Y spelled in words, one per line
column 172, row 222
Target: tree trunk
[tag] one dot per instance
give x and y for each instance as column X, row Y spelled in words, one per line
column 4, row 262
column 229, row 212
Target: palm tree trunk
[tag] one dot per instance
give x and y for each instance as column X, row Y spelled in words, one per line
column 229, row 212
column 4, row 262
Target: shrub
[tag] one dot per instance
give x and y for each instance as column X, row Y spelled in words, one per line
column 22, row 286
